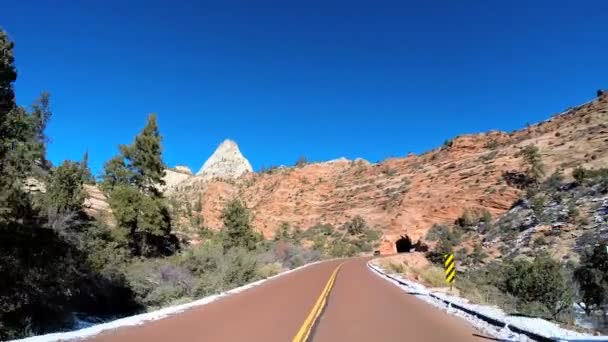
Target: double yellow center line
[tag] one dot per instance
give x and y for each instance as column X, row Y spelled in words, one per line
column 306, row 328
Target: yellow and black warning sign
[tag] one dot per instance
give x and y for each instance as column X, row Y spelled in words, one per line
column 450, row 268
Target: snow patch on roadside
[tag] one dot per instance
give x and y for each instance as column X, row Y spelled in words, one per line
column 149, row 316
column 532, row 325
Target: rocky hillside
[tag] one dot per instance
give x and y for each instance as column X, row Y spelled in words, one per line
column 408, row 195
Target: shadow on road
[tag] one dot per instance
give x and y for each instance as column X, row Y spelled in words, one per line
column 487, row 337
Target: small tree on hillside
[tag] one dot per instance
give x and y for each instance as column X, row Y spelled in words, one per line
column 579, row 174
column 356, row 226
column 592, row 277
column 533, row 161
column 302, row 161
column 237, row 230
column 87, row 176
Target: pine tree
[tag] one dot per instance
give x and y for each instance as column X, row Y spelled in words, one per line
column 116, row 173
column 21, row 140
column 237, row 231
column 532, row 159
column 41, row 113
column 144, row 157
column 87, row 176
column 8, row 75
column 131, row 179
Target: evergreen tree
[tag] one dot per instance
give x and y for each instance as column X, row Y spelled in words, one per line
column 116, row 173
column 41, row 272
column 237, row 231
column 64, row 191
column 8, row 75
column 131, row 180
column 41, row 113
column 87, row 176
column 532, row 159
column 21, row 140
column 144, row 157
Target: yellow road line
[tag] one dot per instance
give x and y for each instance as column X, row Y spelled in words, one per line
column 306, row 328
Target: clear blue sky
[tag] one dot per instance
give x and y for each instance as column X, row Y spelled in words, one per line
column 323, row 79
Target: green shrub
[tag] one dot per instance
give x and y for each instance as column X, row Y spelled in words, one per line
column 539, row 284
column 579, row 174
column 64, row 191
column 592, row 278
column 467, row 219
column 269, row 270
column 478, row 255
column 356, row 226
column 538, row 206
column 486, row 217
column 440, row 232
column 437, row 232
column 437, row 255
column 159, row 282
column 492, row 144
column 540, row 241
column 555, row 181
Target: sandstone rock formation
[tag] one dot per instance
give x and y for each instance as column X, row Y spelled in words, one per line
column 226, row 162
column 96, row 202
column 183, row 169
column 175, row 176
column 401, row 195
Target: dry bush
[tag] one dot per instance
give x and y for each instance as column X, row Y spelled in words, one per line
column 432, row 276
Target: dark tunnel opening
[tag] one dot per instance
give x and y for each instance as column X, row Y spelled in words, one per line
column 404, row 244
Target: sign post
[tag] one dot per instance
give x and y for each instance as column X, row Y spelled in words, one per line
column 449, row 265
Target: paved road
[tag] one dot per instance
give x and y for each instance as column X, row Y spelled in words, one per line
column 360, row 307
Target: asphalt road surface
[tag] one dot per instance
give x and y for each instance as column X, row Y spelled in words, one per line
column 361, row 306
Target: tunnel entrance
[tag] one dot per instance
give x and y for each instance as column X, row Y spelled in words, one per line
column 404, row 244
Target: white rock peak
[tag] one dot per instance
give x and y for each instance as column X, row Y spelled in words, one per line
column 184, row 169
column 226, row 162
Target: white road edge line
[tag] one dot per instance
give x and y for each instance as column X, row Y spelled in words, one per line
column 423, row 293
column 153, row 315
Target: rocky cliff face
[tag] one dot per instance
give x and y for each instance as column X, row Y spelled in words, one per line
column 175, row 176
column 226, row 162
column 401, row 195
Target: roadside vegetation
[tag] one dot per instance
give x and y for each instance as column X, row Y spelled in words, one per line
column 350, row 239
column 57, row 264
column 529, row 278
